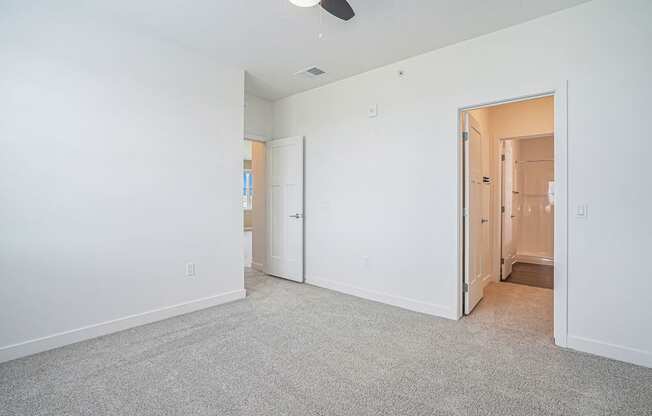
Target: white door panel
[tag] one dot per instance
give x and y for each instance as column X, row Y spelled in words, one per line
column 285, row 208
column 476, row 224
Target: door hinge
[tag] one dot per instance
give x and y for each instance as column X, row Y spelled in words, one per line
column 502, row 210
column 465, row 136
column 466, row 287
column 502, row 261
column 502, row 157
column 465, row 212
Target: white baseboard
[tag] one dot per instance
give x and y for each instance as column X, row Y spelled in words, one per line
column 401, row 302
column 23, row 349
column 257, row 266
column 615, row 352
column 533, row 259
column 488, row 278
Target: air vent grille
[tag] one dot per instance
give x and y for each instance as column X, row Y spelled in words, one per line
column 315, row 71
column 311, row 72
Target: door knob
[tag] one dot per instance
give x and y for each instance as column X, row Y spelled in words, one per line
column 484, row 220
column 296, row 216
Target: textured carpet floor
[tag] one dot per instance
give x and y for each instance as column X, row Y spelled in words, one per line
column 292, row 349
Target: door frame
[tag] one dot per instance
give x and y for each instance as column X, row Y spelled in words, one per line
column 501, row 183
column 560, row 94
column 258, row 266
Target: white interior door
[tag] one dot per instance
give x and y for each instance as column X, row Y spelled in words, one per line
column 285, row 208
column 509, row 209
column 474, row 222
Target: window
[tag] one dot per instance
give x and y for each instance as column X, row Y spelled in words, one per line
column 247, row 189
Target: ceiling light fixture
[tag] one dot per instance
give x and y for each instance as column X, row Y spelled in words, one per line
column 305, row 3
column 338, row 8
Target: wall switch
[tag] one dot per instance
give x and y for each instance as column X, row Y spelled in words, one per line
column 190, row 269
column 372, row 111
column 582, row 211
column 365, row 262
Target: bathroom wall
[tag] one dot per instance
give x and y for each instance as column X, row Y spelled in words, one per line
column 535, row 173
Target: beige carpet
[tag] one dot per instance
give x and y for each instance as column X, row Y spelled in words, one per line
column 516, row 307
column 293, row 349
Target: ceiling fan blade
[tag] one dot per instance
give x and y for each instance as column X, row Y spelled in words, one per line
column 338, row 8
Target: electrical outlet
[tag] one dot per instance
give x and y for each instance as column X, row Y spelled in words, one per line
column 365, row 262
column 582, row 211
column 190, row 269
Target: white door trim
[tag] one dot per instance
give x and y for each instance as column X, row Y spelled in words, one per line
column 529, row 137
column 560, row 94
column 255, row 137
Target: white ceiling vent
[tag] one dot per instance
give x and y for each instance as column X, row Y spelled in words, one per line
column 311, row 72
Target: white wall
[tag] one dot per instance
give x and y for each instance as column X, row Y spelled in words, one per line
column 247, row 149
column 259, row 216
column 120, row 161
column 258, row 117
column 361, row 232
column 248, row 245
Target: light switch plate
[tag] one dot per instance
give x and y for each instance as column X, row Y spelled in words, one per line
column 372, row 111
column 582, row 211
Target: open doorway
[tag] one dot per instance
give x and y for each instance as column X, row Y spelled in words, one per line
column 527, row 210
column 508, row 217
column 253, row 204
column 272, row 201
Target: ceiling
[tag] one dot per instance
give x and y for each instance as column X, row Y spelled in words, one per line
column 272, row 39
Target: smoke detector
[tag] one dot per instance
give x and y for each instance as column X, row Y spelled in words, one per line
column 311, row 72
